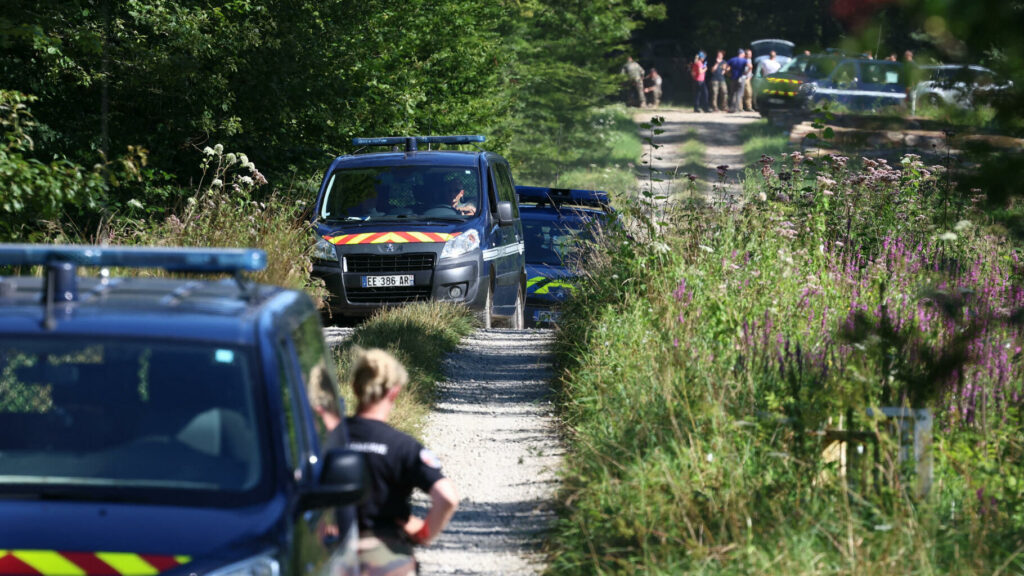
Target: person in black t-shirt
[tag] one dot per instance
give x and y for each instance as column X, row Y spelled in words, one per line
column 397, row 463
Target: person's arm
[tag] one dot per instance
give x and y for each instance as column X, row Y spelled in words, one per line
column 444, row 500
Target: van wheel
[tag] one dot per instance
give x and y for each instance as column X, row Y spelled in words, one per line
column 487, row 314
column 518, row 319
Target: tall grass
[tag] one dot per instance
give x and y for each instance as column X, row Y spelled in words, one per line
column 760, row 138
column 419, row 335
column 706, row 366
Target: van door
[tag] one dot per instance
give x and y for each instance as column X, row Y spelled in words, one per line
column 318, row 537
column 879, row 85
column 509, row 260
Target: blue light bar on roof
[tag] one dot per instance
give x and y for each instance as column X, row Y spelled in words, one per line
column 410, row 142
column 558, row 196
column 171, row 259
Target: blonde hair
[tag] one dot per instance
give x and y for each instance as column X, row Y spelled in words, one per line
column 374, row 373
column 320, row 389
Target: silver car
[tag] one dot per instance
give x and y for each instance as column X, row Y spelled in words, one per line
column 957, row 85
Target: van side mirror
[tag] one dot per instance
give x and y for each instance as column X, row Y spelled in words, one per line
column 344, row 480
column 505, row 217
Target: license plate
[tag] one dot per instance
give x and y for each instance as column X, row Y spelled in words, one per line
column 387, row 281
column 776, row 101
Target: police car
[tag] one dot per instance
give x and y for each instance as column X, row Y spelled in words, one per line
column 557, row 224
column 858, row 84
column 778, row 92
column 401, row 226
column 161, row 426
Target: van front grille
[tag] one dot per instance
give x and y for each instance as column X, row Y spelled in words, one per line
column 389, row 263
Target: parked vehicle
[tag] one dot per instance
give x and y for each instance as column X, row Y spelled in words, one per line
column 397, row 227
column 155, row 426
column 557, row 224
column 857, row 85
column 777, row 92
column 957, row 85
column 762, row 49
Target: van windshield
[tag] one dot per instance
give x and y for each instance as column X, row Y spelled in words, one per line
column 84, row 416
column 555, row 243
column 391, row 193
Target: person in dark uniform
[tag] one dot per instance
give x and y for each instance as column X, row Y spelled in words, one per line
column 397, row 464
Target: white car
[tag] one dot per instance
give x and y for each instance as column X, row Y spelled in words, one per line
column 957, row 85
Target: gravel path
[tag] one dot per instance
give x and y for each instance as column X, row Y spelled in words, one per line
column 718, row 131
column 494, row 430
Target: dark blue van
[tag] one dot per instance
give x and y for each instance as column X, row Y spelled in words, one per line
column 162, row 425
column 859, row 85
column 558, row 223
column 407, row 224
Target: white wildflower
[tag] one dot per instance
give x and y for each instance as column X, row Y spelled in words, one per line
column 963, row 225
column 133, row 203
column 708, row 249
column 710, row 457
column 219, row 148
column 246, row 180
column 762, row 196
column 948, row 237
column 208, row 151
column 217, row 183
column 230, row 158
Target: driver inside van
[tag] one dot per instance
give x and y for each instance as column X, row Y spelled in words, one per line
column 455, row 196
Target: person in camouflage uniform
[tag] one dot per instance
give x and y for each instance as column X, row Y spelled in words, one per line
column 635, row 73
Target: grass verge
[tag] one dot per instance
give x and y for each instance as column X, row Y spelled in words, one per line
column 419, row 335
column 761, row 138
column 707, row 361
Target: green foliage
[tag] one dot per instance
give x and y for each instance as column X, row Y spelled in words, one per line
column 704, row 360
column 419, row 335
column 33, row 190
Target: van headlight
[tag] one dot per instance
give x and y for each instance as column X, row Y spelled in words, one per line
column 324, row 250
column 461, row 244
column 262, row 565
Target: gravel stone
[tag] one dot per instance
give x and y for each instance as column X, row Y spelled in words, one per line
column 493, row 427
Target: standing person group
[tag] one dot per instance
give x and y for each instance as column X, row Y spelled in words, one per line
column 637, row 92
column 741, row 70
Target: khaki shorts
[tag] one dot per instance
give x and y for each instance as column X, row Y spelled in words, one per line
column 389, row 555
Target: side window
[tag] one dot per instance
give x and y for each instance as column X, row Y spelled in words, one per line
column 292, row 434
column 492, row 189
column 845, row 73
column 318, row 375
column 506, row 190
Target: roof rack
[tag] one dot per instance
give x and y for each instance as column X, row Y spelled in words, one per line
column 560, row 196
column 411, row 142
column 62, row 262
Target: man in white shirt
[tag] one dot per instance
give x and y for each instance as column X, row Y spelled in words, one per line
column 770, row 66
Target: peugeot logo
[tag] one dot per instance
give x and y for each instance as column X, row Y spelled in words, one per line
column 389, row 247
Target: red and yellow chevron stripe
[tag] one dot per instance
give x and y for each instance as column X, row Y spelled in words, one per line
column 783, row 81
column 394, row 237
column 57, row 563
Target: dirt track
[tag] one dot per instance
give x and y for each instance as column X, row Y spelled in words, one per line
column 493, row 427
column 717, row 131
